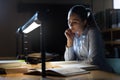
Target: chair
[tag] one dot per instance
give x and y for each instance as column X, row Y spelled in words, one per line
column 115, row 64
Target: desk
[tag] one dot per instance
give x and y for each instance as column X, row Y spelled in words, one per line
column 93, row 75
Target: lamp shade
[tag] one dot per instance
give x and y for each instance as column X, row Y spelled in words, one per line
column 32, row 24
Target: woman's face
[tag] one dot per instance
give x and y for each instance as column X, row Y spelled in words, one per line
column 75, row 23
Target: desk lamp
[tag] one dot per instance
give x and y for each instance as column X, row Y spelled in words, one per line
column 32, row 24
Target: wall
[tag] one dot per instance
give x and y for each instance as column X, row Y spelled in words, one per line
column 10, row 20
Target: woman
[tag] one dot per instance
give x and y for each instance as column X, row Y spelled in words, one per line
column 84, row 41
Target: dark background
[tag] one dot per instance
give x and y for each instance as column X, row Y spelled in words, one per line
column 54, row 23
column 15, row 13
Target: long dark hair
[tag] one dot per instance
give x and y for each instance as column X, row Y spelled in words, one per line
column 84, row 13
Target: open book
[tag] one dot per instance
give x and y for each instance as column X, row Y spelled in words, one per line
column 13, row 66
column 60, row 71
column 64, row 68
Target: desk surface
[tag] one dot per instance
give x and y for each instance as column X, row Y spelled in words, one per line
column 93, row 75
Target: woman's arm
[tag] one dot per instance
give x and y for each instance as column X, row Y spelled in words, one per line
column 69, row 54
column 96, row 47
column 97, row 51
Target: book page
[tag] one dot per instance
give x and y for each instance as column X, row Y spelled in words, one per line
column 66, row 71
column 73, row 64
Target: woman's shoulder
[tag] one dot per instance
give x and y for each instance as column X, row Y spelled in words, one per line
column 93, row 30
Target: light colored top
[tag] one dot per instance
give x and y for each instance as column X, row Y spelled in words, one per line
column 88, row 48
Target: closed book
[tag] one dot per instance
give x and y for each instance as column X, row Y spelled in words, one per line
column 13, row 66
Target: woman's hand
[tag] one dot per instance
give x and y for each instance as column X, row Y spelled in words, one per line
column 69, row 35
